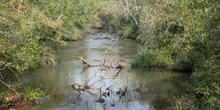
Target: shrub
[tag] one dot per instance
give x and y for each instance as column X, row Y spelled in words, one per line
column 32, row 94
column 145, row 58
column 182, row 102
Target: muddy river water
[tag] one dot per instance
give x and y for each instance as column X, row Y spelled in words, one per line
column 147, row 89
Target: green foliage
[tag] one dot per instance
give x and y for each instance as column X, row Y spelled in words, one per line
column 115, row 19
column 31, row 30
column 32, row 94
column 207, row 87
column 145, row 58
column 206, row 45
column 24, row 36
column 184, row 35
column 164, row 28
column 2, row 95
column 130, row 31
column 183, row 102
column 165, row 59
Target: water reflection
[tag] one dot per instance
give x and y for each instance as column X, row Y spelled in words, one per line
column 156, row 84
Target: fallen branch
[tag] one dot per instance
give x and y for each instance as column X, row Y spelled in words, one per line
column 84, row 87
column 112, row 63
column 81, row 88
column 117, row 73
column 87, row 63
column 8, row 86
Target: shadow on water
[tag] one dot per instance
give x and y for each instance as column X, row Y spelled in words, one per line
column 146, row 89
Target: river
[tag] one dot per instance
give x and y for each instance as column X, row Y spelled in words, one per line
column 147, row 89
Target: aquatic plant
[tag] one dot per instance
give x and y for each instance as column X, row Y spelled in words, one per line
column 33, row 94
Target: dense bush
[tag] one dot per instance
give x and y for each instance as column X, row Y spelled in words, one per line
column 32, row 30
column 145, row 58
column 180, row 35
column 184, row 35
column 33, row 94
column 115, row 18
column 24, row 36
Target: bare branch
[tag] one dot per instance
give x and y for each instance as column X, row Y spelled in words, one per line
column 10, row 70
column 8, row 86
column 128, row 11
column 113, row 63
column 87, row 63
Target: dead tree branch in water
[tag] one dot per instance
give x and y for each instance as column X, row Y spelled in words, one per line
column 85, row 87
column 100, row 100
column 111, row 63
column 81, row 88
column 87, row 63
